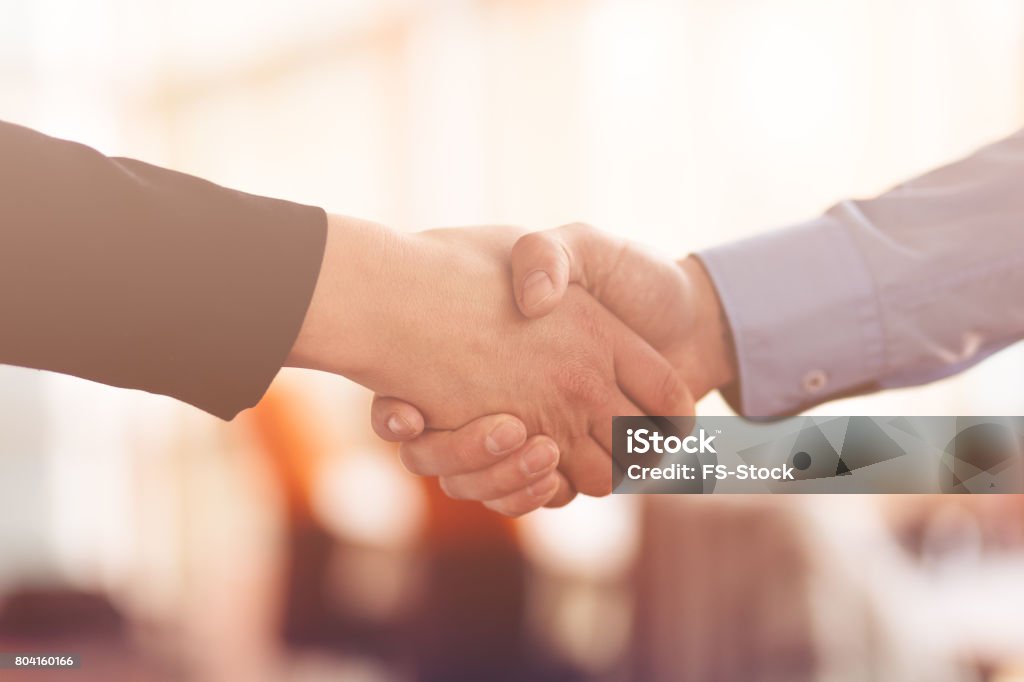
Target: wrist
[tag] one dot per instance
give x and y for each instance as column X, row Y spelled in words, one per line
column 710, row 356
column 353, row 300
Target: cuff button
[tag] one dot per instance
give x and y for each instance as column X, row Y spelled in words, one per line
column 815, row 380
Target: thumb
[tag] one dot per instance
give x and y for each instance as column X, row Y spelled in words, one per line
column 395, row 420
column 541, row 271
column 545, row 263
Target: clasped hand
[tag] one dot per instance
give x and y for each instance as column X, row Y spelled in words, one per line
column 548, row 335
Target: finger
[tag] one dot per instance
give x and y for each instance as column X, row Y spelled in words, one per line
column 528, row 499
column 565, row 494
column 395, row 420
column 473, row 447
column 589, row 467
column 544, row 263
column 647, row 378
column 601, row 427
column 528, row 465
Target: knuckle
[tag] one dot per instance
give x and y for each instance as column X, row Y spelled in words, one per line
column 501, row 481
column 464, row 451
column 581, row 384
column 530, row 245
column 540, row 250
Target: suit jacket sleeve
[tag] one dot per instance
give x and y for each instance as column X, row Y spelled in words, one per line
column 135, row 276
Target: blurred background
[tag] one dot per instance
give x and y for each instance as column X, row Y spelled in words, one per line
column 162, row 544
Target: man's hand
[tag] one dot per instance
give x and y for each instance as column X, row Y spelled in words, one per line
column 673, row 306
column 431, row 317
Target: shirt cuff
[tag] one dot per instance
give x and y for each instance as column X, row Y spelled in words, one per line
column 804, row 316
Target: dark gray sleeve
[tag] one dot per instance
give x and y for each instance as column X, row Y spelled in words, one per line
column 135, row 276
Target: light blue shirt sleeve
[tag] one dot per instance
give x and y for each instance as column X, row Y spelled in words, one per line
column 911, row 286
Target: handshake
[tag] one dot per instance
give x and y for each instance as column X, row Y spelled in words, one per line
column 499, row 358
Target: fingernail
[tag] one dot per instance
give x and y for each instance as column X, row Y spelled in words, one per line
column 538, row 458
column 543, row 487
column 399, row 426
column 537, row 287
column 505, row 436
